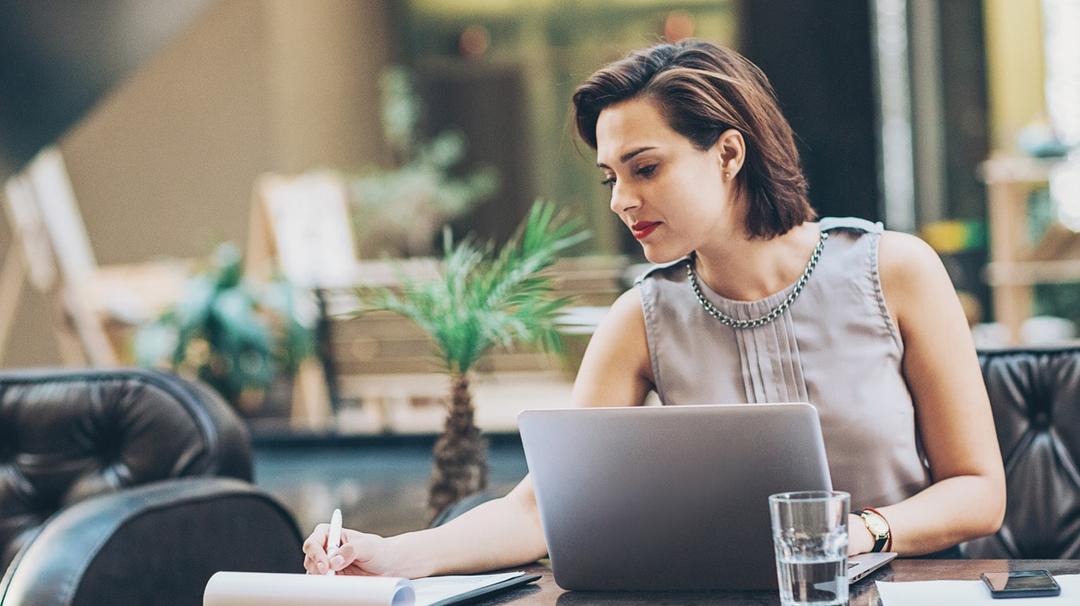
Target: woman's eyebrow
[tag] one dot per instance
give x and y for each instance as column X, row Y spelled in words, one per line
column 630, row 154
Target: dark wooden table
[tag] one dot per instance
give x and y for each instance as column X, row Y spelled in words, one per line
column 864, row 593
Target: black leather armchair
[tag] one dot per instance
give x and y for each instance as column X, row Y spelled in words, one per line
column 127, row 486
column 1035, row 394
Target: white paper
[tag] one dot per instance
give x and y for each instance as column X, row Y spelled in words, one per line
column 276, row 589
column 434, row 589
column 969, row 593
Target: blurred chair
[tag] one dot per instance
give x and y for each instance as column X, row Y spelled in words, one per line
column 127, row 487
column 52, row 251
column 1035, row 395
column 300, row 228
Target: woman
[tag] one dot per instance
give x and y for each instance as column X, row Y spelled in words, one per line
column 754, row 301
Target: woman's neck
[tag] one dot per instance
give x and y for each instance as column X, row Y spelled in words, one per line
column 744, row 269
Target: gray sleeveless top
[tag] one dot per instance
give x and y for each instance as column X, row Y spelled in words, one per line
column 836, row 348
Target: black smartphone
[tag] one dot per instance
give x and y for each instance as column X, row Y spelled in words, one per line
column 1021, row 584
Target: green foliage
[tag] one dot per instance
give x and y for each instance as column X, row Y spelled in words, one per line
column 399, row 209
column 233, row 334
column 1059, row 300
column 399, row 110
column 485, row 297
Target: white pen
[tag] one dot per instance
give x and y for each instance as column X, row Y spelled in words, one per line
column 333, row 539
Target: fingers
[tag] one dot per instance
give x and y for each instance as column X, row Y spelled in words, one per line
column 357, row 548
column 341, row 556
column 313, row 566
column 316, row 560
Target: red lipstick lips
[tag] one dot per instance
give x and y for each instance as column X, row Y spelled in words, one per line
column 642, row 229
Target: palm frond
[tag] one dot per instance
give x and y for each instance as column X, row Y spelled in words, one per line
column 534, row 248
column 485, row 298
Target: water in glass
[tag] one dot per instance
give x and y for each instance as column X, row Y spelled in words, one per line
column 812, row 570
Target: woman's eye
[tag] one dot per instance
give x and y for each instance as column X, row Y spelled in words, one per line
column 608, row 182
column 645, row 171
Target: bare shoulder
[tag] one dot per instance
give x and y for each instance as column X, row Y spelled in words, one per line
column 904, row 256
column 623, row 327
column 628, row 308
column 615, row 369
column 912, row 275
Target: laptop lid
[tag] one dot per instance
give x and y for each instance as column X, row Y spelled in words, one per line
column 668, row 498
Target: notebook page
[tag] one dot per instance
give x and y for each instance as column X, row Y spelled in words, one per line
column 278, row 589
column 432, row 590
column 969, row 593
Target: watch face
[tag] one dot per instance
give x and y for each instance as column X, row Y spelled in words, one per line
column 876, row 525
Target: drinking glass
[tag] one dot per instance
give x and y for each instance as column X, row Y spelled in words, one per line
column 810, row 536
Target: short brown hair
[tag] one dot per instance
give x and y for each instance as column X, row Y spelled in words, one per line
column 704, row 90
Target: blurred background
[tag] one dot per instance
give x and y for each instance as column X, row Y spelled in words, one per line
column 202, row 185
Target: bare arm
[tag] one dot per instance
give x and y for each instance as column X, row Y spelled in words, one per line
column 505, row 532
column 967, row 497
column 498, row 534
column 615, row 370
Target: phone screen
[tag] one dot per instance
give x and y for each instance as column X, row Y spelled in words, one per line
column 1020, row 580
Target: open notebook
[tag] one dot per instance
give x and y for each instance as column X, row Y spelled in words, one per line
column 276, row 589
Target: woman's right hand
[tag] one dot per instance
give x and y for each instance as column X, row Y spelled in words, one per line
column 359, row 554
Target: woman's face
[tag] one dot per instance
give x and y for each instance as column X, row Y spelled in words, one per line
column 672, row 196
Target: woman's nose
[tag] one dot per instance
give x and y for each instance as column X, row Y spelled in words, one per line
column 623, row 199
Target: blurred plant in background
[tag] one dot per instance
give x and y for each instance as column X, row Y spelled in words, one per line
column 398, row 210
column 236, row 335
column 483, row 298
column 1056, row 300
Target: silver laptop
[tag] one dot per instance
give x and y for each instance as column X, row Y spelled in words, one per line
column 670, row 498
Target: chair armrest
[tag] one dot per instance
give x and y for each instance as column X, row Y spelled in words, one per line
column 158, row 543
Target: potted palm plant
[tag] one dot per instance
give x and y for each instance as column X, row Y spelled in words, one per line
column 481, row 299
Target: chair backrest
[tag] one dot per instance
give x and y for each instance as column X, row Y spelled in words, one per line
column 1035, row 395
column 154, row 544
column 300, row 225
column 67, row 435
column 29, row 232
column 48, row 226
column 59, row 215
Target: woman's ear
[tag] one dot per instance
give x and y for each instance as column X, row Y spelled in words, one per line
column 732, row 150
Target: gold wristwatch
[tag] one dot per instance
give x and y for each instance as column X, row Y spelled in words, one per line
column 878, row 527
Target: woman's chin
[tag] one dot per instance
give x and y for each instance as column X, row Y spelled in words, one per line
column 660, row 255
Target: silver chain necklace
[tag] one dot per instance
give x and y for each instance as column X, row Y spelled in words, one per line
column 776, row 312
